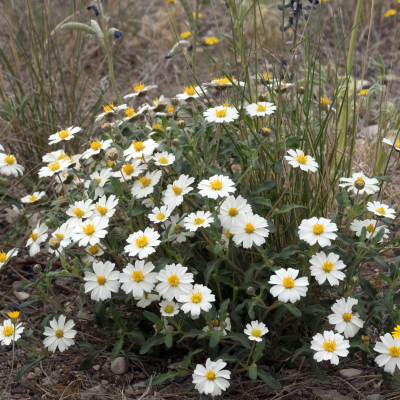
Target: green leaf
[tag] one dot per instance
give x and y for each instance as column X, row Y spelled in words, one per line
column 89, row 360
column 210, row 268
column 137, row 336
column 367, row 288
column 240, row 337
column 269, row 379
column 293, row 309
column 263, row 201
column 363, row 235
column 168, row 340
column 375, row 240
column 287, row 208
column 116, row 184
column 268, row 185
column 382, row 178
column 359, row 345
column 154, row 318
column 303, row 349
column 253, row 371
column 29, row 301
column 160, row 378
column 388, row 299
column 360, row 308
column 317, row 369
column 223, row 308
column 116, row 349
column 192, row 334
column 116, row 317
column 25, row 285
column 258, row 351
column 28, row 364
column 215, row 338
column 188, row 359
column 92, row 188
column 155, row 340
column 139, row 210
column 316, row 308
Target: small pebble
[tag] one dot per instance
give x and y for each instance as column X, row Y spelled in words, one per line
column 96, row 367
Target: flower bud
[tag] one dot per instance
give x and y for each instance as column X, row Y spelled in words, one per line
column 176, row 142
column 301, row 90
column 265, row 132
column 120, row 332
column 205, row 207
column 13, row 316
column 142, row 117
column 174, row 101
column 359, row 184
column 48, row 222
column 263, row 97
column 37, row 268
column 200, row 108
column 175, row 244
column 106, row 127
column 69, row 179
column 215, row 322
column 223, row 324
column 160, row 107
column 181, row 124
column 109, row 116
column 366, row 339
column 80, row 185
column 112, row 154
column 54, row 243
column 355, row 279
column 222, row 242
column 251, row 291
column 3, row 181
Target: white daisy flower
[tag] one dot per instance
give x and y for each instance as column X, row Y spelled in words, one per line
column 225, row 82
column 255, row 330
column 163, row 159
column 65, row 134
column 37, row 236
column 110, row 109
column 278, row 85
column 95, row 147
column 286, row 286
column 11, row 214
column 91, row 253
column 225, row 237
column 216, row 186
column 191, row 92
column 142, row 243
column 173, row 195
column 140, row 90
column 169, row 308
column 197, row 300
column 174, row 281
column 319, row 230
column 248, row 229
column 359, row 184
column 211, row 379
column 392, row 142
column 54, row 156
column 369, row 224
column 9, row 166
column 221, row 114
column 146, row 299
column 10, row 332
column 138, row 279
column 160, row 214
column 56, row 167
column 102, row 178
column 329, row 346
column 105, row 208
column 231, row 208
column 140, row 148
column 176, row 230
column 344, row 319
column 79, row 211
column 102, row 282
column 145, row 185
column 130, row 170
column 2, row 148
column 36, row 196
column 260, row 109
column 381, row 210
column 298, row 159
column 159, row 104
column 131, row 115
column 389, row 347
column 5, row 257
column 90, row 232
column 218, row 326
column 327, row 267
column 60, row 334
column 150, row 202
column 200, row 219
column 63, row 234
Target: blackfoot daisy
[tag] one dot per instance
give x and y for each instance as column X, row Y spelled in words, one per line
column 211, row 379
column 327, row 267
column 216, row 186
column 231, row 208
column 286, row 287
column 298, row 159
column 359, row 183
column 138, row 279
column 200, row 219
column 102, row 282
column 255, row 330
column 329, row 346
column 142, row 243
column 389, row 347
column 319, row 230
column 381, row 210
column 90, row 232
column 59, row 334
column 173, row 195
column 9, row 166
column 345, row 320
column 197, row 300
column 249, row 229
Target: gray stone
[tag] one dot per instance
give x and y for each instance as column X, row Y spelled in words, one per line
column 320, row 394
column 104, row 382
column 350, row 373
column 96, row 367
column 119, row 366
column 139, row 385
column 376, row 397
column 94, row 392
column 21, row 296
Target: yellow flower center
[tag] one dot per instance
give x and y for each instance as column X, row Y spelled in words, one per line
column 256, row 333
column 59, row 236
column 98, row 181
column 79, row 213
column 347, row 317
column 177, row 227
column 157, row 126
column 266, row 75
column 144, row 181
column 163, row 160
column 221, row 113
column 228, row 234
column 210, row 375
column 63, row 134
column 173, row 280
column 223, row 80
column 89, row 229
column 330, row 345
column 8, row 330
column 160, row 216
column 137, row 276
column 109, row 107
column 370, row 228
column 95, row 145
column 128, row 169
column 3, row 257
column 146, row 295
column 196, row 297
column 102, row 210
column 177, row 190
column 324, row 101
column 216, row 184
column 138, row 146
column 318, row 228
column 32, row 198
column 59, row 333
column 381, row 210
column 185, row 35
column 10, row 160
column 169, row 309
column 138, row 87
column 130, row 112
column 34, row 236
column 101, row 280
column 249, row 228
column 398, row 143
column 327, row 266
column 394, row 351
column 13, row 315
column 215, row 322
column 198, row 221
column 261, row 108
column 211, row 40
column 55, row 166
column 93, row 250
column 301, row 159
column 189, row 91
column 288, row 282
column 141, row 241
column 233, row 212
